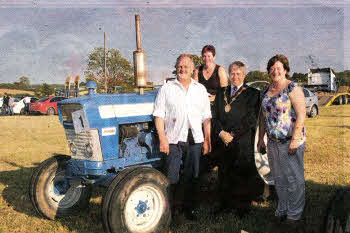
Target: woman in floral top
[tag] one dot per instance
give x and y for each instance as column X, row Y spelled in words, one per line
column 282, row 119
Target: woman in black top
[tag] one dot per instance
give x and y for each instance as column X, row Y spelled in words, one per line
column 211, row 75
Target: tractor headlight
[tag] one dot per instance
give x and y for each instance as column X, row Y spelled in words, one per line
column 73, row 148
column 88, row 150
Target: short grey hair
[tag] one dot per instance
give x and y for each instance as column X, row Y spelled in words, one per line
column 179, row 58
column 239, row 64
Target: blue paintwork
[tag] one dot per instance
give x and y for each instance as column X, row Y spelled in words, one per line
column 141, row 207
column 85, row 167
column 134, row 155
column 91, row 85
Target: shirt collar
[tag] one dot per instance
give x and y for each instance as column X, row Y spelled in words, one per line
column 232, row 86
column 192, row 82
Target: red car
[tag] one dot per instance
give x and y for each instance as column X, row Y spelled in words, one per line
column 46, row 105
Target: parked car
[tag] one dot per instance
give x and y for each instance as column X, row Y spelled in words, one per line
column 46, row 105
column 311, row 100
column 18, row 108
column 15, row 101
column 260, row 85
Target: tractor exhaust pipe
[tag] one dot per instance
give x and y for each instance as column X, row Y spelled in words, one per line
column 140, row 71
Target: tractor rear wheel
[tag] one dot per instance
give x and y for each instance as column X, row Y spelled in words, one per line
column 52, row 194
column 337, row 217
column 139, row 203
column 107, row 197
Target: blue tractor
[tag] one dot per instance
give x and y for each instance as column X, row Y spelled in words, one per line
column 113, row 142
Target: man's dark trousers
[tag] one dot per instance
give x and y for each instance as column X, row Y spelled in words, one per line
column 191, row 153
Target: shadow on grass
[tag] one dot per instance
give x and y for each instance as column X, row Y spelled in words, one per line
column 16, row 195
column 260, row 219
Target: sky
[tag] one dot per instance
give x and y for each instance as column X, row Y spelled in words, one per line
column 47, row 41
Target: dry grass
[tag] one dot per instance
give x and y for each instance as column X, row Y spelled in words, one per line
column 28, row 140
column 15, row 92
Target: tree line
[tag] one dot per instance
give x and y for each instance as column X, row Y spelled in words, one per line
column 120, row 74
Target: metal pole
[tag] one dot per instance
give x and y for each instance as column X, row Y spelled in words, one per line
column 138, row 32
column 139, row 55
column 105, row 61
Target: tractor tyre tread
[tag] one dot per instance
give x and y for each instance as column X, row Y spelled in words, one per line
column 107, row 197
column 37, row 189
column 121, row 192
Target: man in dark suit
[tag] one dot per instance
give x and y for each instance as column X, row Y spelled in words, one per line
column 236, row 111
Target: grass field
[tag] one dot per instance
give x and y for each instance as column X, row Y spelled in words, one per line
column 28, row 140
column 15, row 92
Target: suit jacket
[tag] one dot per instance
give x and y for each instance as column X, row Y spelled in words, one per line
column 241, row 120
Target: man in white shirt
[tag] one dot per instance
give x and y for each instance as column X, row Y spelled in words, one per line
column 181, row 109
column 26, row 102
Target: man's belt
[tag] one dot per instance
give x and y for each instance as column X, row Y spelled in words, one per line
column 280, row 140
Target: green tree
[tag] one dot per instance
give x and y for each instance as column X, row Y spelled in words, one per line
column 44, row 90
column 24, row 81
column 257, row 75
column 343, row 78
column 299, row 77
column 198, row 61
column 18, row 86
column 119, row 70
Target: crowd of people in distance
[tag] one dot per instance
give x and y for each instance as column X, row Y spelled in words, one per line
column 8, row 104
column 206, row 111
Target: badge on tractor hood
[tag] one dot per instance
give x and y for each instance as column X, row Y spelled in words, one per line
column 109, row 131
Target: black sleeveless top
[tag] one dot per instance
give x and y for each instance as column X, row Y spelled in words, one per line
column 213, row 83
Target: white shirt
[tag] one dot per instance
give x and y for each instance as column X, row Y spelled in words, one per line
column 26, row 100
column 182, row 110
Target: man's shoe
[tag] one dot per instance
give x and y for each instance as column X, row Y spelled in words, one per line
column 283, row 218
column 292, row 221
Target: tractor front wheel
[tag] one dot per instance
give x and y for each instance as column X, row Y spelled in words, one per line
column 52, row 194
column 337, row 217
column 138, row 203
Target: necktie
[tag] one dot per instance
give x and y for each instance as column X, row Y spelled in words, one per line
column 234, row 90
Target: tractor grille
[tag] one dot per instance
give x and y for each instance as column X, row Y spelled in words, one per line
column 81, row 140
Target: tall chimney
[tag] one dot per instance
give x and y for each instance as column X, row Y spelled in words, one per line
column 140, row 71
